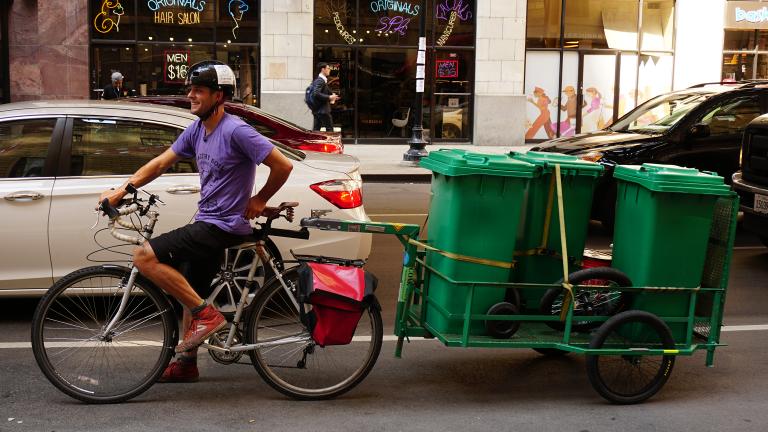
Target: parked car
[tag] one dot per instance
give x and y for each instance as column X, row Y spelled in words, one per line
column 751, row 182
column 267, row 124
column 56, row 157
column 700, row 127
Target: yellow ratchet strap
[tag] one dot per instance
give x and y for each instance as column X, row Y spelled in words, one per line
column 568, row 294
column 542, row 249
column 465, row 258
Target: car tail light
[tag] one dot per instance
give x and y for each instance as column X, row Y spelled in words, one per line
column 322, row 146
column 344, row 194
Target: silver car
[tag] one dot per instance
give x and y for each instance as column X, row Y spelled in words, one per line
column 56, row 157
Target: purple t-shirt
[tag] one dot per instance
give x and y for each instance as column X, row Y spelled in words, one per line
column 226, row 160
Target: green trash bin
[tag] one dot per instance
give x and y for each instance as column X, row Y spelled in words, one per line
column 578, row 178
column 663, row 220
column 475, row 209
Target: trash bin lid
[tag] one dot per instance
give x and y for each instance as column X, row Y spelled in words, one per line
column 454, row 162
column 547, row 162
column 672, row 178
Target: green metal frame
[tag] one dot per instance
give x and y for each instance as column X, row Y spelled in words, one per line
column 410, row 318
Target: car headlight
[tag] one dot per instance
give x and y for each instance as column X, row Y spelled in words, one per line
column 592, row 156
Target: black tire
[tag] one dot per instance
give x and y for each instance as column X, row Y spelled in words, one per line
column 304, row 370
column 630, row 379
column 551, row 352
column 119, row 366
column 233, row 273
column 502, row 329
column 588, row 303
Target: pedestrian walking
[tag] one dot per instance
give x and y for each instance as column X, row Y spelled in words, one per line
column 322, row 97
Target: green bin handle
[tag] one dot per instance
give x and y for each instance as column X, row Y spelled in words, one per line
column 475, row 159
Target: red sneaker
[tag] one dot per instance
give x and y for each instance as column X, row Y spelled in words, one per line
column 205, row 324
column 180, row 372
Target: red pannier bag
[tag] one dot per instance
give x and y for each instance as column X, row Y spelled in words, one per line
column 339, row 295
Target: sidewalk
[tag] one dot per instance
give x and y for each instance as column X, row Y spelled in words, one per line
column 385, row 162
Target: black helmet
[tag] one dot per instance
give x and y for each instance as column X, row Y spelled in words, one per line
column 214, row 75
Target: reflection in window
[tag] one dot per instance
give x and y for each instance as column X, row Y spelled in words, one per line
column 120, row 147
column 244, row 62
column 386, row 85
column 733, row 116
column 601, row 24
column 24, row 147
column 543, row 21
column 162, row 69
column 738, row 66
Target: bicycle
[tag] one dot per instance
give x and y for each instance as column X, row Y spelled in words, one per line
column 104, row 334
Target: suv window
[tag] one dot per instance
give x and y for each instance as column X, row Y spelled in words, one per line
column 733, row 115
column 118, row 147
column 24, row 147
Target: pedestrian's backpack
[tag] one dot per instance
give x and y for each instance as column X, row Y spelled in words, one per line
column 339, row 295
column 309, row 97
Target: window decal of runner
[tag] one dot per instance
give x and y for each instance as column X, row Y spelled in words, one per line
column 108, row 18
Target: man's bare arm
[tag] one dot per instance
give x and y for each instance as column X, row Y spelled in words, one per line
column 279, row 169
column 144, row 175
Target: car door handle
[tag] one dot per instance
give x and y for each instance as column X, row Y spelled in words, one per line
column 183, row 190
column 24, row 196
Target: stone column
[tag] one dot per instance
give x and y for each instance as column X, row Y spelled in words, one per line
column 499, row 66
column 286, row 58
column 48, row 50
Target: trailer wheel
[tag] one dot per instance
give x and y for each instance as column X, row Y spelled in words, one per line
column 630, row 379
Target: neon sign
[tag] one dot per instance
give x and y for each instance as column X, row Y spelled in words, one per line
column 175, row 66
column 342, row 31
column 395, row 6
column 393, row 24
column 237, row 8
column 104, row 22
column 462, row 10
column 455, row 10
column 447, row 68
column 197, row 5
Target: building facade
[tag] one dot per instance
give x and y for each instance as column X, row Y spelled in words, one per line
column 497, row 72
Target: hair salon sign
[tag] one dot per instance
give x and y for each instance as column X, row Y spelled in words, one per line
column 746, row 15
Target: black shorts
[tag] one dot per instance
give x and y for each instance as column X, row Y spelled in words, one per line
column 196, row 251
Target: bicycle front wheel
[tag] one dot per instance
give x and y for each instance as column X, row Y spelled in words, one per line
column 302, row 369
column 83, row 361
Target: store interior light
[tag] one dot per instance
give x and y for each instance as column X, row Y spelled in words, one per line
column 326, row 30
column 354, row 31
column 171, row 39
column 225, row 45
column 189, row 39
column 229, row 41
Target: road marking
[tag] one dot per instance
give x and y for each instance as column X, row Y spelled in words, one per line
column 387, row 338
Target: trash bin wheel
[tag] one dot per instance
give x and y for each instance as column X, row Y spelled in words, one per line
column 502, row 329
column 588, row 303
column 630, row 379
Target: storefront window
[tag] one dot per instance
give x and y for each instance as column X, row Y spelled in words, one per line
column 601, row 72
column 372, row 47
column 171, row 37
column 597, row 24
column 738, row 66
column 543, row 22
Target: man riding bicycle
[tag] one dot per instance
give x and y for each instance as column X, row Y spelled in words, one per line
column 227, row 151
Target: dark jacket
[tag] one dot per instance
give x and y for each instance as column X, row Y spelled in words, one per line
column 111, row 92
column 322, row 95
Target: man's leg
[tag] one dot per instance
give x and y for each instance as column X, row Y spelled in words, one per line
column 327, row 121
column 316, row 122
column 206, row 320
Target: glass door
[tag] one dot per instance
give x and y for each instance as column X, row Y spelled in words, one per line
column 597, row 84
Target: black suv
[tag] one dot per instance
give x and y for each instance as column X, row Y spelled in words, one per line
column 751, row 183
column 699, row 127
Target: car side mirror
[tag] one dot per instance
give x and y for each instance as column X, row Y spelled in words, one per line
column 699, row 130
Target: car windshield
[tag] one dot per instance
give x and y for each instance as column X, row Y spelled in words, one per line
column 659, row 114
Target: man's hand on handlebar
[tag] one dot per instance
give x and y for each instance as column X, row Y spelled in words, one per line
column 114, row 196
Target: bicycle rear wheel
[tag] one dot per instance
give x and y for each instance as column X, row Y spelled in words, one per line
column 303, row 369
column 74, row 354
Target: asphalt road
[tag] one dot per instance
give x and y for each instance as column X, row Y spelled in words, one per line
column 432, row 387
